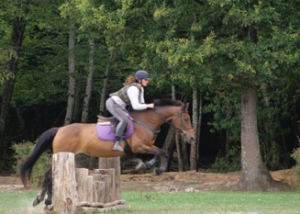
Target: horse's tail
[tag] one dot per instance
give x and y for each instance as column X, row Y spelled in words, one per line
column 43, row 144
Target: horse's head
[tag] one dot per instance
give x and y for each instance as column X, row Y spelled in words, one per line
column 176, row 113
column 182, row 122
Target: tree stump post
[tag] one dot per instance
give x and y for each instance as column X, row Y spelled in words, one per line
column 65, row 197
column 114, row 165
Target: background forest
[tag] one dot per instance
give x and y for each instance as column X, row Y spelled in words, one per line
column 236, row 62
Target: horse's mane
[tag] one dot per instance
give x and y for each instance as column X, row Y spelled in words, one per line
column 166, row 102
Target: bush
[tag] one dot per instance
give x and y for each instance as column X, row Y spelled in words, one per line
column 296, row 156
column 230, row 163
column 22, row 151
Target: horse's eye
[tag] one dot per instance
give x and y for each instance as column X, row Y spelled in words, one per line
column 186, row 119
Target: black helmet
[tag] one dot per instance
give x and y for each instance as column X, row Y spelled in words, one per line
column 141, row 74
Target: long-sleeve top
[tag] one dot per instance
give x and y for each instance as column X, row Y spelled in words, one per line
column 136, row 97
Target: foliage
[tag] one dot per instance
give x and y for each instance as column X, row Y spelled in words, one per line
column 225, row 107
column 22, row 151
column 42, row 76
column 209, row 45
column 230, row 163
column 296, row 156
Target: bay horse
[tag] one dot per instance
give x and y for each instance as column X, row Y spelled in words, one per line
column 82, row 138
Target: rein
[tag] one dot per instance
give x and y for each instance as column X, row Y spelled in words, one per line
column 155, row 132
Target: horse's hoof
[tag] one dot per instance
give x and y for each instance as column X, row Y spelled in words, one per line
column 35, row 202
column 48, row 208
column 140, row 166
column 157, row 171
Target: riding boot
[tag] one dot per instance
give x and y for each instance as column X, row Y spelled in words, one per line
column 117, row 146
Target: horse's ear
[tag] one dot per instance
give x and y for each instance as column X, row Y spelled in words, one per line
column 185, row 106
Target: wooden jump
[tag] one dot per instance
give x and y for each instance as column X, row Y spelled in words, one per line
column 78, row 190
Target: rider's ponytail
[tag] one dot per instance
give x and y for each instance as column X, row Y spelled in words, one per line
column 129, row 80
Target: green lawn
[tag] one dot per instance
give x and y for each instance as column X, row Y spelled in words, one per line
column 178, row 203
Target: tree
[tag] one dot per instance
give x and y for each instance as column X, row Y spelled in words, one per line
column 188, row 44
column 72, row 83
column 17, row 35
column 255, row 175
column 197, row 119
column 89, row 84
column 246, row 48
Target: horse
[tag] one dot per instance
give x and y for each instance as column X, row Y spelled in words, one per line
column 83, row 138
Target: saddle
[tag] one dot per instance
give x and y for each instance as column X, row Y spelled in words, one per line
column 112, row 121
column 106, row 128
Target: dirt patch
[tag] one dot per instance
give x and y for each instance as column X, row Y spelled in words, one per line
column 190, row 181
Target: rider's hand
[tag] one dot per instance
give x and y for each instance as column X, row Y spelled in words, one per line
column 150, row 105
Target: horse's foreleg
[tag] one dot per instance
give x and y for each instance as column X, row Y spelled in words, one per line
column 40, row 197
column 163, row 164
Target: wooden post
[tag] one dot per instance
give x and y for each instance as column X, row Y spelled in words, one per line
column 82, row 183
column 65, row 197
column 113, row 163
column 90, row 188
column 108, row 176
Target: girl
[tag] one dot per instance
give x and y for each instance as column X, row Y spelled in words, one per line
column 131, row 94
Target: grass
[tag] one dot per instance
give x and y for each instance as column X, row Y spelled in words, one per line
column 178, row 203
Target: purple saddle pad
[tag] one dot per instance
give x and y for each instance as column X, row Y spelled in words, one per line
column 105, row 132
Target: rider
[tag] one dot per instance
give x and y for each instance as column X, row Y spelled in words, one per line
column 131, row 94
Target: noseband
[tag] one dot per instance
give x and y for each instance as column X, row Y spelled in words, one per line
column 183, row 130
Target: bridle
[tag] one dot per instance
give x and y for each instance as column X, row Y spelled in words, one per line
column 183, row 131
column 182, row 127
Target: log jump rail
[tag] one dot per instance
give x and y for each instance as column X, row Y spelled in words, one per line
column 76, row 190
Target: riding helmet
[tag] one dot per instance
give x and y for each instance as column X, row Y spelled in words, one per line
column 141, row 74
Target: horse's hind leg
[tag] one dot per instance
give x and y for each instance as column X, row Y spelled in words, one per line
column 48, row 201
column 146, row 165
column 49, row 190
column 40, row 197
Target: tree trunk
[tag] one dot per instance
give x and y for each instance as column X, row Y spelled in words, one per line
column 89, row 84
column 103, row 91
column 105, row 81
column 228, row 132
column 71, row 90
column 184, row 153
column 193, row 151
column 179, row 152
column 16, row 43
column 199, row 125
column 169, row 143
column 255, row 175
